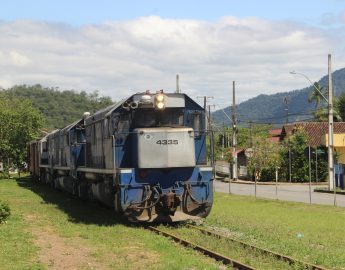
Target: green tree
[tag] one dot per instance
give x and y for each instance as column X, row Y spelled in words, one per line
column 321, row 115
column 339, row 106
column 245, row 136
column 20, row 123
column 265, row 157
column 298, row 144
column 59, row 108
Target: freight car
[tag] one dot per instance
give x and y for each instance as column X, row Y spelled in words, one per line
column 145, row 156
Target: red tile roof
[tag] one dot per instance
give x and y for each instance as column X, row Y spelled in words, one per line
column 315, row 130
column 275, row 132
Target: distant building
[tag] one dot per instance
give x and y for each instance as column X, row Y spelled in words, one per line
column 315, row 131
column 275, row 134
column 317, row 134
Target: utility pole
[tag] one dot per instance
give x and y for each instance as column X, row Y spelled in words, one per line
column 211, row 144
column 330, row 128
column 286, row 102
column 210, row 131
column 178, row 84
column 234, row 131
column 207, row 119
column 309, row 165
column 251, row 134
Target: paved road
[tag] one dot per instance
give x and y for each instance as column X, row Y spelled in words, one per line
column 286, row 192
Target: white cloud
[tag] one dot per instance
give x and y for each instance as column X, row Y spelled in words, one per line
column 120, row 58
column 19, row 59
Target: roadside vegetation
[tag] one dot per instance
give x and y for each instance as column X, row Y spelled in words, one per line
column 269, row 156
column 5, row 211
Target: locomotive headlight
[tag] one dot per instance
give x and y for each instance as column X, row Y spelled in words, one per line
column 160, row 101
column 160, row 97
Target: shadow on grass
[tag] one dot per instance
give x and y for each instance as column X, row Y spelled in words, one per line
column 79, row 211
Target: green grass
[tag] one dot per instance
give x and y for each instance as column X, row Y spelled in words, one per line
column 311, row 233
column 110, row 239
column 230, row 249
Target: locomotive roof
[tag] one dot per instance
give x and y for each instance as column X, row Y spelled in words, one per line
column 101, row 114
column 53, row 133
column 70, row 126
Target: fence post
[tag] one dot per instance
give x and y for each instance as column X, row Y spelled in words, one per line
column 309, row 175
column 276, row 183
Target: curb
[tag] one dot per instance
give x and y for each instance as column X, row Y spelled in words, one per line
column 328, row 191
column 269, row 183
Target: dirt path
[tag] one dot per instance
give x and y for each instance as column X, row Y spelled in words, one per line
column 58, row 253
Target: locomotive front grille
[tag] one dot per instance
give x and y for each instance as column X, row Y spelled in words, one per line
column 164, row 147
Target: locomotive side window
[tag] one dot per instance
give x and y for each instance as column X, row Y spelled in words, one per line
column 197, row 123
column 123, row 124
column 80, row 136
column 66, row 139
column 44, row 146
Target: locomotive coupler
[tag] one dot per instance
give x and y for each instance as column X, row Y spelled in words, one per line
column 170, row 202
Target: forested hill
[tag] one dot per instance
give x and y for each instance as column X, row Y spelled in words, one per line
column 59, row 108
column 270, row 109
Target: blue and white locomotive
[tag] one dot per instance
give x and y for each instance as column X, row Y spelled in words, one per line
column 145, row 156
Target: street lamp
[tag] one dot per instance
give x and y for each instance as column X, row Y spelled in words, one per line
column 313, row 84
column 331, row 184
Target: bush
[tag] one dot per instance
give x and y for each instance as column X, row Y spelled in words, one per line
column 5, row 211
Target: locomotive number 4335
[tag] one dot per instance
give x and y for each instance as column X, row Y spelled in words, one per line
column 166, row 142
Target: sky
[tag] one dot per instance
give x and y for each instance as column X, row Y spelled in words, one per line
column 123, row 47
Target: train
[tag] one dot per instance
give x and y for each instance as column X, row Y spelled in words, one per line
column 145, row 156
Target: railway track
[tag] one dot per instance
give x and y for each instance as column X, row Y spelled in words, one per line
column 204, row 250
column 229, row 261
column 279, row 256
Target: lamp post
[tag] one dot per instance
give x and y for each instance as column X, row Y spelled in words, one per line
column 330, row 121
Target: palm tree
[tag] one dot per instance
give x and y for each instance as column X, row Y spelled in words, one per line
column 321, row 115
column 339, row 105
column 316, row 94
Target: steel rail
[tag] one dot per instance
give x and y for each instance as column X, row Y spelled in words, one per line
column 279, row 256
column 214, row 255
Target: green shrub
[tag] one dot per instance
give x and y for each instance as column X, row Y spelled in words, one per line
column 5, row 211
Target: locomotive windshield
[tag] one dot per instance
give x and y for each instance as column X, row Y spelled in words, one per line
column 150, row 118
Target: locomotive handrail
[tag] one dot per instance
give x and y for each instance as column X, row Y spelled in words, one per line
column 136, row 132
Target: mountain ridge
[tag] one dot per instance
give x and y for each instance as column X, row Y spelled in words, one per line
column 271, row 109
